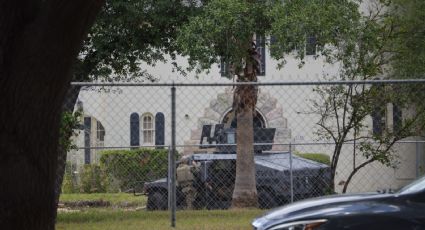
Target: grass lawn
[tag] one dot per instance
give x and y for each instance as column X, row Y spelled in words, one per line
column 108, row 218
column 116, row 199
column 122, row 214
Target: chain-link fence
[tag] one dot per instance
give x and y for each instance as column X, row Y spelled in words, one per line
column 299, row 139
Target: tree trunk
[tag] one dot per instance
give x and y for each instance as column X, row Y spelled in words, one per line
column 244, row 102
column 245, row 192
column 347, row 182
column 38, row 44
column 81, row 73
column 68, row 106
column 334, row 163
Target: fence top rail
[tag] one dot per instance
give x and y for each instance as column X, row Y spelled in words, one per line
column 256, row 144
column 287, row 83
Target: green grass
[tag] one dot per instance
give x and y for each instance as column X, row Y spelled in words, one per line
column 318, row 157
column 116, row 199
column 96, row 219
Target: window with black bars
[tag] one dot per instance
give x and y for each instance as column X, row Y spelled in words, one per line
column 224, row 67
column 310, row 47
column 260, row 42
column 100, row 131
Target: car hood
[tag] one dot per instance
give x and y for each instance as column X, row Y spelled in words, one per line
column 157, row 183
column 323, row 207
column 162, row 180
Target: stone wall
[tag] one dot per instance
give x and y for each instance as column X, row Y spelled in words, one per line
column 267, row 106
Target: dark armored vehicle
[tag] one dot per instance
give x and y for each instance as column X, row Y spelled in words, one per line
column 211, row 184
column 214, row 181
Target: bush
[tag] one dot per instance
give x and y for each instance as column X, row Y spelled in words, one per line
column 130, row 168
column 318, row 157
column 323, row 182
column 92, row 179
column 69, row 183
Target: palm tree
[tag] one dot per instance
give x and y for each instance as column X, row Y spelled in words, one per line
column 225, row 29
column 244, row 102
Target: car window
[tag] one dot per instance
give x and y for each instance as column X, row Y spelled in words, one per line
column 416, row 186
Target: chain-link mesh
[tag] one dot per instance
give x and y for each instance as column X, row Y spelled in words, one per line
column 300, row 141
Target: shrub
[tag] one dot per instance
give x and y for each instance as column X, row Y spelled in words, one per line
column 323, row 183
column 92, row 179
column 69, row 184
column 129, row 168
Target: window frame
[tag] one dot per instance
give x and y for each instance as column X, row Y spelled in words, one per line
column 147, row 129
column 100, row 132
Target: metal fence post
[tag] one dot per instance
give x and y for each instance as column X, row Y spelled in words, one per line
column 418, row 159
column 291, row 178
column 172, row 193
column 170, row 172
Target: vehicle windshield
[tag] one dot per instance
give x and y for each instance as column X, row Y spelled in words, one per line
column 416, row 186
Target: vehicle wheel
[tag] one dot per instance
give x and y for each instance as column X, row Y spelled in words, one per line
column 266, row 199
column 157, row 201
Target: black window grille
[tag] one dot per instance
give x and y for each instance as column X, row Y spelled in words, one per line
column 260, row 42
column 310, row 48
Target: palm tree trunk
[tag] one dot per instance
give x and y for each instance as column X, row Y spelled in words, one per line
column 244, row 102
column 245, row 192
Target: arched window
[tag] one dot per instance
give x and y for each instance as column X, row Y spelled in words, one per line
column 230, row 120
column 94, row 136
column 148, row 129
column 100, row 133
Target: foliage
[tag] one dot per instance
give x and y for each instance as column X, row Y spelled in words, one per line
column 224, row 29
column 69, row 184
column 408, row 17
column 318, row 157
column 346, row 110
column 119, row 170
column 128, row 33
column 70, row 123
column 331, row 22
column 92, row 179
column 133, row 167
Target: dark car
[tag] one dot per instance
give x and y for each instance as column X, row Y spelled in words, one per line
column 403, row 210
